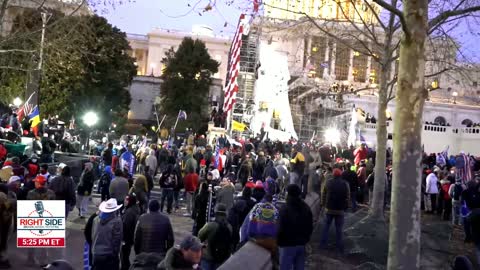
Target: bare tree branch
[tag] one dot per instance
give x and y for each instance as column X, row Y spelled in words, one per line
column 442, row 17
column 14, row 68
column 17, row 50
column 398, row 13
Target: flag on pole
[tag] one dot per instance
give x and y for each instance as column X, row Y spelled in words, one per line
column 26, row 108
column 34, row 118
column 238, row 126
column 231, row 88
column 182, row 115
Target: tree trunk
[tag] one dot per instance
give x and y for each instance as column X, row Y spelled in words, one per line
column 381, row 156
column 404, row 242
column 3, row 9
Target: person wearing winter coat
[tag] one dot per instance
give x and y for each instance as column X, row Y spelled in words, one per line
column 245, row 171
column 186, row 257
column 335, row 200
column 258, row 191
column 294, row 230
column 239, row 212
column 455, row 193
column 7, row 213
column 226, row 193
column 352, row 180
column 119, row 186
column 168, row 182
column 446, row 199
column 140, row 188
column 431, row 190
column 199, row 214
column 154, row 232
column 84, row 189
column 129, row 218
column 64, row 188
column 107, row 235
column 151, row 162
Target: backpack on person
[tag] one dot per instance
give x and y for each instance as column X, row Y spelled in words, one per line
column 220, row 243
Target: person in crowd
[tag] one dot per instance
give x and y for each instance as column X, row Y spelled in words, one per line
column 360, row 153
column 352, row 179
column 140, row 188
column 191, row 164
column 258, row 238
column 226, row 193
column 152, row 163
column 199, row 214
column 39, row 256
column 154, row 232
column 187, row 256
column 245, row 171
column 239, row 212
column 218, row 239
column 260, row 165
column 297, row 165
column 129, row 218
column 150, row 183
column 127, row 160
column 107, row 155
column 258, row 191
column 84, row 189
column 64, row 188
column 87, row 232
column 335, row 200
column 118, row 187
column 178, row 186
column 446, row 199
column 32, row 166
column 107, row 235
column 471, row 198
column 191, row 183
column 294, row 230
column 7, row 213
column 48, row 147
column 431, row 190
column 455, row 192
column 362, row 183
column 168, row 181
column 45, row 173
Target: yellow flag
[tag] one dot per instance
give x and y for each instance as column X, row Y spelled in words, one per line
column 238, row 126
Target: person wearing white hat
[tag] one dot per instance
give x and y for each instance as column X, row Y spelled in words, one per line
column 107, row 235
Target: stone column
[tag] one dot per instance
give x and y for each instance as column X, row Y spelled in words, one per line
column 368, row 69
column 350, row 67
column 332, row 63
column 308, row 54
column 326, row 70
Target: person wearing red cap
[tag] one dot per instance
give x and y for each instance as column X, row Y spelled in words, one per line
column 39, row 256
column 335, row 199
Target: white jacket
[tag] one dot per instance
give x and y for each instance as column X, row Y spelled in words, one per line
column 432, row 184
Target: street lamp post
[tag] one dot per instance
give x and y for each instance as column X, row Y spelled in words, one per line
column 90, row 119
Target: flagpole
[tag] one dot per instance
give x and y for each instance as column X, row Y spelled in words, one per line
column 159, row 125
column 176, row 121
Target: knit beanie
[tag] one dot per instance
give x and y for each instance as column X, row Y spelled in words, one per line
column 270, row 186
column 263, row 221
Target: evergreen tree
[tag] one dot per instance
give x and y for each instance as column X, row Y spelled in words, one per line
column 186, row 82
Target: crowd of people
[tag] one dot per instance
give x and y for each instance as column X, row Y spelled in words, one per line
column 245, row 197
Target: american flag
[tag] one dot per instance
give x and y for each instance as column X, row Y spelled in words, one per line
column 26, row 108
column 231, row 88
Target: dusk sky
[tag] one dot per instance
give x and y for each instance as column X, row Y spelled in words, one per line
column 141, row 16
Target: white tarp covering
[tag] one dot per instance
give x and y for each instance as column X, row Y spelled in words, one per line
column 271, row 94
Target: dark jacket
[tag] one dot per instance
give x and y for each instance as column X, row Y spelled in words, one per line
column 295, row 223
column 200, row 210
column 64, row 189
column 107, row 156
column 237, row 214
column 174, row 261
column 153, row 233
column 41, row 194
column 130, row 218
column 107, row 235
column 258, row 193
column 86, row 183
column 336, row 196
column 351, row 178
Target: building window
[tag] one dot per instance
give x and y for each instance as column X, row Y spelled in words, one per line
column 342, row 62
column 457, row 82
column 475, row 84
column 467, row 122
column 359, row 67
column 440, row 120
column 317, row 57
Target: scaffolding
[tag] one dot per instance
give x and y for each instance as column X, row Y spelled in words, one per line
column 244, row 107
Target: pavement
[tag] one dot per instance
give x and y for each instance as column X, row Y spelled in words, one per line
column 75, row 239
